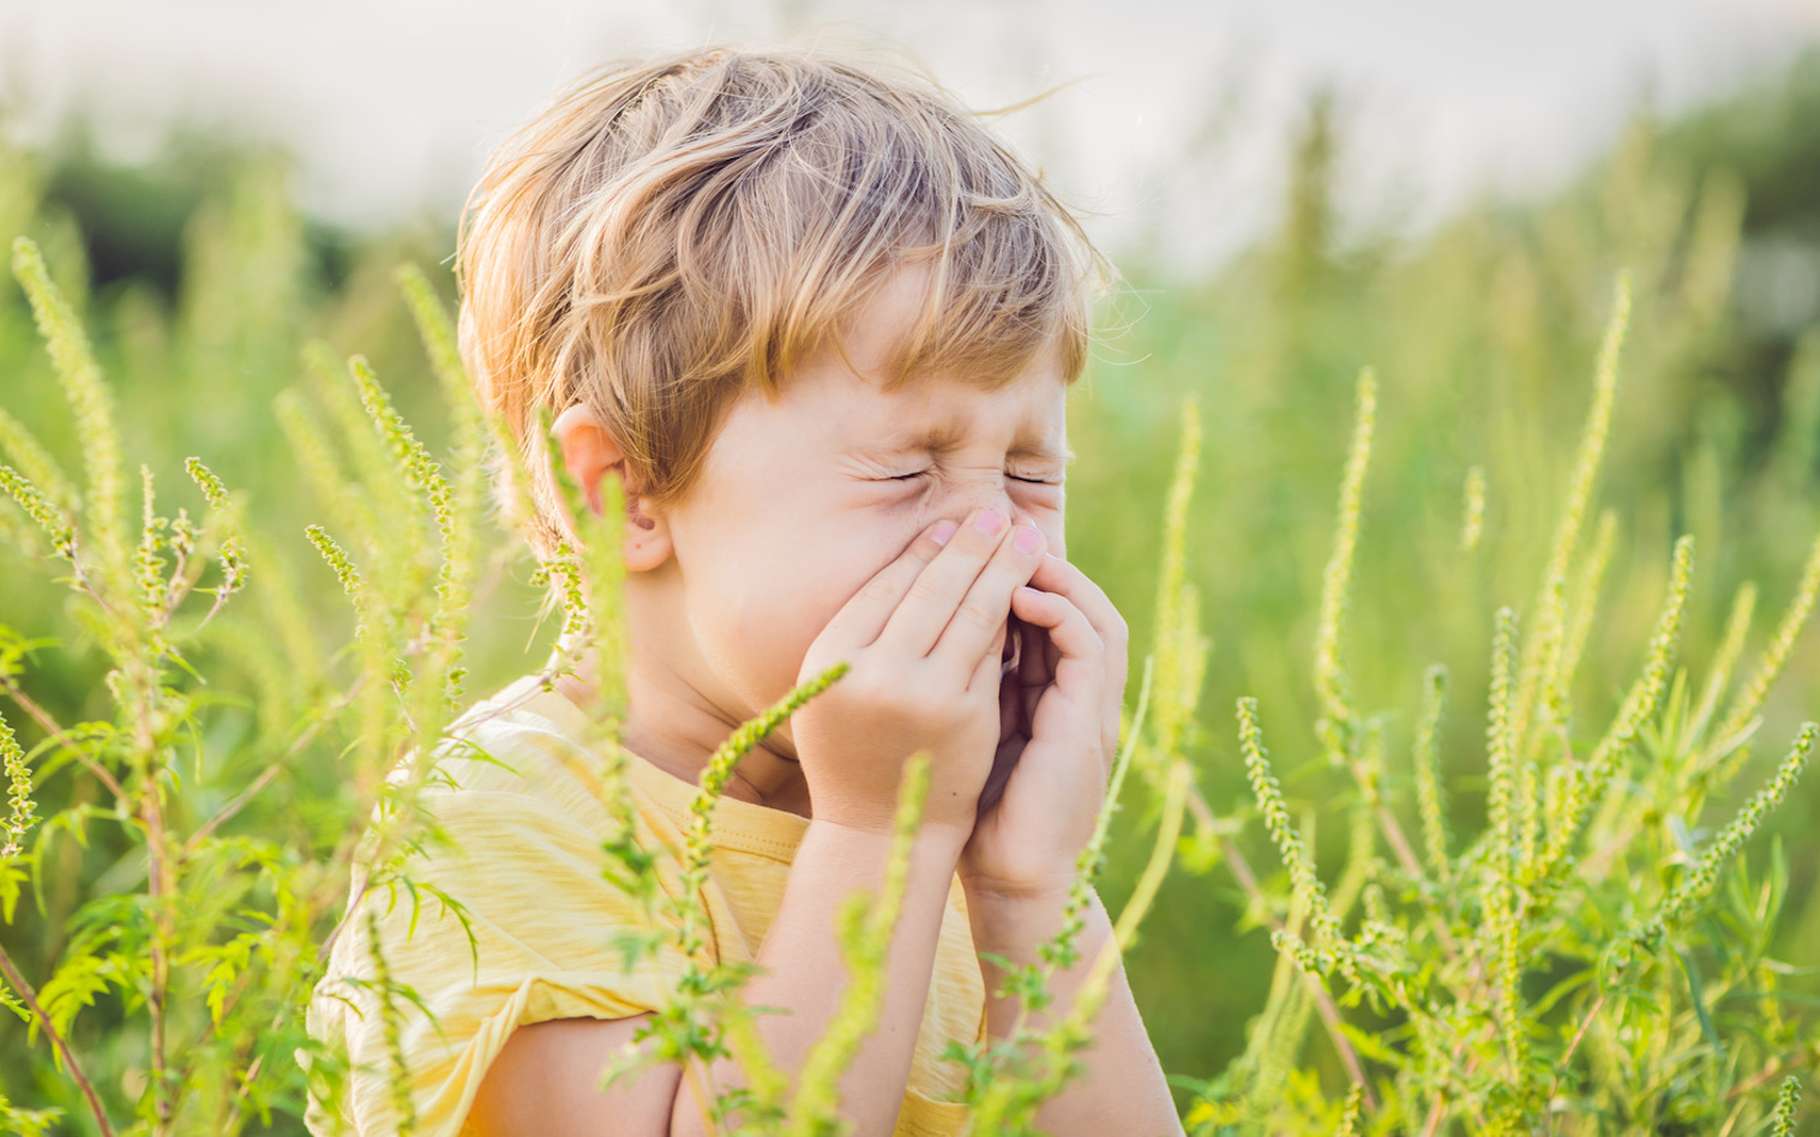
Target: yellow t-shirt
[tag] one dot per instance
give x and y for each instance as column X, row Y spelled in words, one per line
column 528, row 822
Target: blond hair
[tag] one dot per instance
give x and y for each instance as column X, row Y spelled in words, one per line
column 670, row 233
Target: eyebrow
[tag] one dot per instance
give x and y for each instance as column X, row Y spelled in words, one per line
column 946, row 437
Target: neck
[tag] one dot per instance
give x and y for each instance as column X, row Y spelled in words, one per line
column 673, row 724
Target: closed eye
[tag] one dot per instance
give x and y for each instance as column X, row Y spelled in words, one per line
column 1014, row 477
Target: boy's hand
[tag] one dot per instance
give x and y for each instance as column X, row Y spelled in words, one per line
column 923, row 637
column 1060, row 732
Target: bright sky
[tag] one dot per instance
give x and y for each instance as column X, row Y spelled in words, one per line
column 393, row 104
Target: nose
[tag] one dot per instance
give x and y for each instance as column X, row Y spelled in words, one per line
column 993, row 490
column 964, row 505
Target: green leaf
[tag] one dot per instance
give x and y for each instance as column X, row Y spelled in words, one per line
column 1698, row 995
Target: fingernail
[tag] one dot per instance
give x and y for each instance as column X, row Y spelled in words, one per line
column 989, row 521
column 943, row 530
column 1027, row 539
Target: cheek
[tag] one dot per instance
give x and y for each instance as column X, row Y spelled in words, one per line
column 769, row 599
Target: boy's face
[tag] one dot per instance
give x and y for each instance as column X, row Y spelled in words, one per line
column 804, row 499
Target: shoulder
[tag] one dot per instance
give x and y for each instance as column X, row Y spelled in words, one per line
column 513, row 743
column 514, row 811
column 501, row 915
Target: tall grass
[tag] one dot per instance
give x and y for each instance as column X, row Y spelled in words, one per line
column 1537, row 978
column 1534, row 895
column 210, row 960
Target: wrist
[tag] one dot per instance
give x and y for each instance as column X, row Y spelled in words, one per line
column 1028, row 895
column 1012, row 922
column 932, row 844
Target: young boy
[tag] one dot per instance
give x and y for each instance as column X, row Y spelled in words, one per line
column 821, row 325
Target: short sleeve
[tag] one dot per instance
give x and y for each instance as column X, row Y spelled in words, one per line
column 925, row 1114
column 523, row 864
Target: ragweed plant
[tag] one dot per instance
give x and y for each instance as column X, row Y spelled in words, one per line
column 1584, row 963
column 210, row 963
column 200, row 953
column 1593, row 955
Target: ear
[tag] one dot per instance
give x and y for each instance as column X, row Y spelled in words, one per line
column 589, row 450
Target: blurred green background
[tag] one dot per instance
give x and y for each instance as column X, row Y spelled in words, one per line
column 202, row 280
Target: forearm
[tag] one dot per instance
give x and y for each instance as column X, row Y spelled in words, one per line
column 802, row 969
column 1121, row 1088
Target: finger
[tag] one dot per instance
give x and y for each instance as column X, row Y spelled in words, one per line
column 1079, row 651
column 985, row 674
column 998, row 649
column 931, row 597
column 956, row 608
column 1036, row 666
column 973, row 629
column 860, row 620
column 1059, row 575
